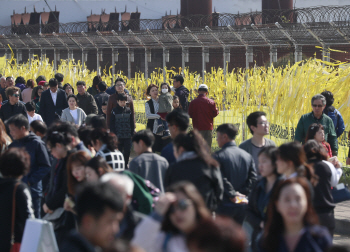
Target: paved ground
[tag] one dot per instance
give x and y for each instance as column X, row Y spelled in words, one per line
column 342, row 223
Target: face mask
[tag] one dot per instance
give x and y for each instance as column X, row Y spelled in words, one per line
column 165, row 90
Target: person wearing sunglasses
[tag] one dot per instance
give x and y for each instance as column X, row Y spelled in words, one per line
column 13, row 106
column 177, row 213
column 318, row 103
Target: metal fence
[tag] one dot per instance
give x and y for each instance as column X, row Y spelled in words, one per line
column 323, row 26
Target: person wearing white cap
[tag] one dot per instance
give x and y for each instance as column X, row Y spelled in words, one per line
column 202, row 110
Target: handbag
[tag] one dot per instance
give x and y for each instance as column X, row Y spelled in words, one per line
column 15, row 246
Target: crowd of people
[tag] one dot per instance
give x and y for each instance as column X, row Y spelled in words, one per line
column 65, row 159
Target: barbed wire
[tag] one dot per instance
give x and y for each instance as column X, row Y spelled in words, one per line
column 336, row 14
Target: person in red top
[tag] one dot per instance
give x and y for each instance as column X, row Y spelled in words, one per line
column 202, row 110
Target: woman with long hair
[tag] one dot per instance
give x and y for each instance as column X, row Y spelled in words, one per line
column 323, row 199
column 68, row 89
column 14, row 164
column 195, row 164
column 316, row 132
column 292, row 224
column 27, row 92
column 39, row 90
column 73, row 114
column 75, row 175
column 176, row 214
column 5, row 140
column 291, row 162
column 260, row 195
column 106, row 146
column 95, row 168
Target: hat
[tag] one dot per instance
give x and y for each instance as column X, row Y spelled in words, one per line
column 203, row 86
column 41, row 83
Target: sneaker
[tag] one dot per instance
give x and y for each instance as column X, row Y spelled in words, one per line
column 166, row 134
column 160, row 129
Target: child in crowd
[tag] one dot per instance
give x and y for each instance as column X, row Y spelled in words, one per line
column 32, row 116
column 104, row 108
column 176, row 103
column 165, row 107
column 122, row 124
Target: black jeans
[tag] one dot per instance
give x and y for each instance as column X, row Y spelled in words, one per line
column 124, row 146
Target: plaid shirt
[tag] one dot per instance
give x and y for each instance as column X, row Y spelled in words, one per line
column 114, row 158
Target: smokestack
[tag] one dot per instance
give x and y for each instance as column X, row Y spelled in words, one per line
column 196, row 7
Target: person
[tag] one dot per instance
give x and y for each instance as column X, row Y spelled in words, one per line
column 219, row 235
column 318, row 103
column 38, row 128
column 73, row 114
column 53, row 101
column 323, row 199
column 84, row 134
column 291, row 162
column 112, row 101
column 14, row 106
column 59, row 77
column 104, row 109
column 333, row 113
column 75, row 176
column 27, row 92
column 37, row 100
column 151, row 108
column 176, row 102
column 292, row 224
column 59, row 142
column 203, row 110
column 102, row 97
column 95, row 168
column 2, row 83
column 175, row 216
column 181, row 91
column 68, row 89
column 259, row 127
column 259, row 197
column 112, row 89
column 195, row 164
column 9, row 83
column 316, row 131
column 99, row 208
column 122, row 125
column 40, row 81
column 5, row 140
column 14, row 164
column 85, row 100
column 31, row 115
column 97, row 122
column 148, row 165
column 20, row 83
column 131, row 218
column 106, row 145
column 178, row 122
column 165, row 107
column 39, row 157
column 94, row 89
column 238, row 172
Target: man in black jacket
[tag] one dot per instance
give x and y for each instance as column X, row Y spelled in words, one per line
column 39, row 157
column 101, row 97
column 53, row 101
column 85, row 100
column 13, row 106
column 181, row 91
column 237, row 170
column 99, row 210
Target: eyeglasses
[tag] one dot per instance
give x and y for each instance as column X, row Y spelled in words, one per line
column 317, row 106
column 119, row 85
column 182, row 205
column 15, row 95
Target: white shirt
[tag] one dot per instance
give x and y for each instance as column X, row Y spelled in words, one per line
column 74, row 113
column 54, row 97
column 35, row 117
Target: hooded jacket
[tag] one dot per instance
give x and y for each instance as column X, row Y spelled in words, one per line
column 23, row 211
column 39, row 161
